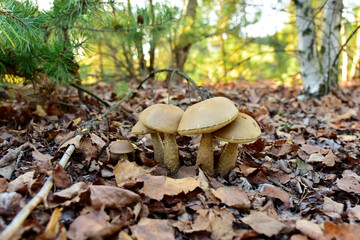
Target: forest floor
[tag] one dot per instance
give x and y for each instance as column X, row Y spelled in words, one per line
column 299, row 180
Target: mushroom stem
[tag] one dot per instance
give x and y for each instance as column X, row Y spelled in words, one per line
column 227, row 159
column 205, row 156
column 171, row 153
column 158, row 147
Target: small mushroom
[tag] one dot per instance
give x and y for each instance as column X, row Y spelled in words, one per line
column 140, row 129
column 119, row 150
column 204, row 118
column 243, row 129
column 165, row 118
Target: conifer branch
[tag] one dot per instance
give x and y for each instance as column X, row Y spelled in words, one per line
column 4, row 12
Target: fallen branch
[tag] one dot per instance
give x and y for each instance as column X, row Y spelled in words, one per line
column 90, row 93
column 16, row 223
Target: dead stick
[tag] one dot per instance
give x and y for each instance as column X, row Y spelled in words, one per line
column 20, row 217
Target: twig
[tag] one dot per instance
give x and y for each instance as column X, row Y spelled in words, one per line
column 90, row 93
column 16, row 223
column 187, row 78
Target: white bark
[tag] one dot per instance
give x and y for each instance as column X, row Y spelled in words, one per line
column 318, row 73
column 309, row 60
column 331, row 42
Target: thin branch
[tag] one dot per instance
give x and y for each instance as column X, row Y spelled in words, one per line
column 4, row 12
column 187, row 78
column 90, row 93
column 342, row 47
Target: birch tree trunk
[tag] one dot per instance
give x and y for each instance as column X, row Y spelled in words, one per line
column 331, row 43
column 319, row 73
column 312, row 79
column 356, row 59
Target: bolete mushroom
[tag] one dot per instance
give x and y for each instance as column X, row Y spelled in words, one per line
column 119, row 150
column 204, row 118
column 243, row 129
column 140, row 129
column 165, row 118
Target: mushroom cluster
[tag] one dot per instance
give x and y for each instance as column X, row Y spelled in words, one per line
column 217, row 117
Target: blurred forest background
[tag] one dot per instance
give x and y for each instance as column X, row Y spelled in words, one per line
column 212, row 41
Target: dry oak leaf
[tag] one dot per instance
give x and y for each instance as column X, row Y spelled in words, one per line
column 232, row 197
column 275, row 192
column 310, row 229
column 126, row 170
column 349, row 184
column 112, row 197
column 149, row 229
column 342, row 231
column 20, row 182
column 85, row 225
column 217, row 222
column 262, row 223
column 155, row 187
column 40, row 157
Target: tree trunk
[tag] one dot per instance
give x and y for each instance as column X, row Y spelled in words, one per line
column 319, row 73
column 344, row 68
column 331, row 43
column 356, row 59
column 312, row 80
column 183, row 44
column 153, row 39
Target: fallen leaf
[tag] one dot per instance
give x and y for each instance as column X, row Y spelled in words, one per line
column 217, row 222
column 149, row 229
column 332, row 206
column 69, row 195
column 40, row 157
column 262, row 223
column 72, row 141
column 310, row 229
column 343, row 231
column 354, row 212
column 349, row 184
column 3, row 185
column 12, row 154
column 97, row 140
column 86, row 224
column 155, row 187
column 111, row 197
column 21, row 182
column 315, row 157
column 330, row 159
column 232, row 197
column 275, row 192
column 125, row 170
column 61, row 178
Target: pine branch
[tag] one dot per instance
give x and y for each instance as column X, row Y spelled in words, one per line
column 4, row 12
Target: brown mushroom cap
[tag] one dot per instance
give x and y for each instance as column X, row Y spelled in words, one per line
column 121, row 147
column 140, row 129
column 162, row 117
column 207, row 116
column 242, row 130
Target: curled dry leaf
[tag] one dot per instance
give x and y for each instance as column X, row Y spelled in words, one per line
column 72, row 141
column 275, row 192
column 69, row 195
column 38, row 156
column 155, row 187
column 20, row 182
column 262, row 223
column 232, row 197
column 112, row 197
column 3, row 185
column 126, row 170
column 310, row 229
column 148, row 229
